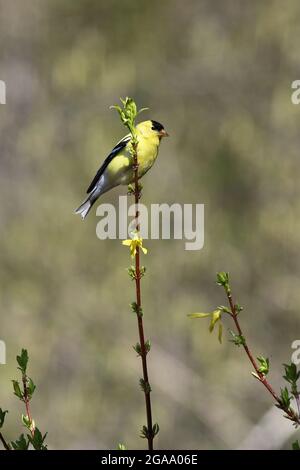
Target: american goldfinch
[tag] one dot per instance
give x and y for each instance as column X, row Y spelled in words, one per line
column 117, row 168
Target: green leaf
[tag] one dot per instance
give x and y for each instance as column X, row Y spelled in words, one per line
column 27, row 422
column 222, row 278
column 285, row 398
column 131, row 272
column 238, row 340
column 30, row 387
column 295, row 445
column 155, row 429
column 144, row 432
column 148, row 346
column 138, row 349
column 121, row 113
column 37, row 440
column 20, row 444
column 131, row 189
column 199, row 315
column 142, row 110
column 2, row 417
column 145, row 386
column 238, row 308
column 128, row 113
column 17, row 389
column 264, row 365
column 121, row 447
column 292, row 376
column 22, row 360
column 142, row 271
column 136, row 309
column 291, row 373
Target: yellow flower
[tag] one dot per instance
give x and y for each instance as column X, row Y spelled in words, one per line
column 216, row 316
column 134, row 243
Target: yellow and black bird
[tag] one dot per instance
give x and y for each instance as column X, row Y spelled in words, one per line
column 117, row 168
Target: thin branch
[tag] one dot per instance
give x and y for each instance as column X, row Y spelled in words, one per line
column 297, row 398
column 292, row 415
column 27, row 405
column 143, row 354
column 5, row 445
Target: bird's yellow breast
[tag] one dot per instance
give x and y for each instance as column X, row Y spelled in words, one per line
column 120, row 169
column 147, row 153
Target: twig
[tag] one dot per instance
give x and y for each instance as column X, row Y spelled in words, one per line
column 259, row 375
column 297, row 398
column 27, row 405
column 128, row 113
column 146, row 386
column 5, row 445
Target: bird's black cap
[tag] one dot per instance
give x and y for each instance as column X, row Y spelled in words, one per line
column 156, row 126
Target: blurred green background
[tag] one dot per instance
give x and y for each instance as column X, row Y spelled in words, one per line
column 218, row 76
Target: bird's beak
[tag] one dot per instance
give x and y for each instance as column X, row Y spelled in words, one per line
column 163, row 133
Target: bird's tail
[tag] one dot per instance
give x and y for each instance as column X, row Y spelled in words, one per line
column 85, row 208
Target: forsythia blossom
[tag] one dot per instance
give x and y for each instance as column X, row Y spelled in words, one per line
column 216, row 316
column 134, row 243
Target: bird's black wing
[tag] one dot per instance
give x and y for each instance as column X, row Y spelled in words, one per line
column 120, row 145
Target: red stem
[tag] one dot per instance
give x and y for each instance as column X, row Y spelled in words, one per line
column 298, row 403
column 5, row 445
column 261, row 377
column 143, row 354
column 26, row 401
